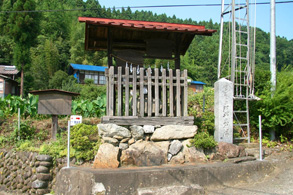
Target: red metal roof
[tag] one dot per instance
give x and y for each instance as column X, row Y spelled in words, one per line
column 136, row 24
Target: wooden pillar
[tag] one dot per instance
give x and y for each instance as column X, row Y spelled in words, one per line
column 177, row 60
column 109, row 47
column 177, row 52
column 54, row 126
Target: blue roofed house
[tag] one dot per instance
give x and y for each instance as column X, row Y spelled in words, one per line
column 196, row 86
column 82, row 72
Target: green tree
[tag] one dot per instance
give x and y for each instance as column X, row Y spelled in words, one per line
column 23, row 28
column 90, row 91
column 56, row 81
column 276, row 110
column 6, row 51
column 39, row 70
column 70, row 84
column 51, row 57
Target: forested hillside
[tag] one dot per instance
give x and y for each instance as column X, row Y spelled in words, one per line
column 50, row 40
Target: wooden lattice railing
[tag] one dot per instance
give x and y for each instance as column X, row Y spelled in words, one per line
column 146, row 92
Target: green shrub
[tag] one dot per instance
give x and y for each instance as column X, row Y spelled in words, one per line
column 55, row 148
column 203, row 140
column 203, row 118
column 89, row 108
column 27, row 131
column 85, row 140
column 10, row 104
column 3, row 141
column 275, row 108
column 26, row 145
column 91, row 91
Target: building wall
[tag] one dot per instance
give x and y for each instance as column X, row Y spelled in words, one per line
column 8, row 87
column 196, row 88
column 98, row 77
column 2, row 87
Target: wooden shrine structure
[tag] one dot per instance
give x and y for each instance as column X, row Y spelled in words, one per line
column 137, row 95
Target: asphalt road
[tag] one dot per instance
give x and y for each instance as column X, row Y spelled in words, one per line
column 279, row 182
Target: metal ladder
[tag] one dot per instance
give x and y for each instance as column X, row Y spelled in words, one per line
column 241, row 72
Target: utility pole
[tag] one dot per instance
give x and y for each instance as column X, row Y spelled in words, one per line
column 221, row 40
column 273, row 55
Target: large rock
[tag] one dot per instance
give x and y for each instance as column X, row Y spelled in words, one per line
column 112, row 130
column 43, row 157
column 39, row 184
column 107, row 156
column 178, row 159
column 149, row 128
column 170, row 132
column 191, row 154
column 228, row 150
column 175, row 147
column 42, row 169
column 111, row 140
column 123, row 146
column 137, row 132
column 254, row 152
column 143, row 153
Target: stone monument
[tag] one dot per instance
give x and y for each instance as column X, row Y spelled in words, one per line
column 223, row 111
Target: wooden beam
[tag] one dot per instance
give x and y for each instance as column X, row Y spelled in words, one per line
column 54, row 127
column 111, row 91
column 185, row 105
column 141, row 93
column 178, row 93
column 86, row 36
column 171, row 93
column 177, row 52
column 157, row 100
column 164, row 102
column 120, row 95
column 135, row 120
column 134, row 98
column 126, row 91
column 107, row 90
column 150, row 100
column 109, row 47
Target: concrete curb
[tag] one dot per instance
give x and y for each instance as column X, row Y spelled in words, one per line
column 129, row 180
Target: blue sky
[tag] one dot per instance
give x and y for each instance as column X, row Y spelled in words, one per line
column 284, row 12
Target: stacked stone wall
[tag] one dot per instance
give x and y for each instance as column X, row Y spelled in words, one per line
column 25, row 172
column 146, row 146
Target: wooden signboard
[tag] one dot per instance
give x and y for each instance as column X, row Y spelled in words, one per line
column 55, row 102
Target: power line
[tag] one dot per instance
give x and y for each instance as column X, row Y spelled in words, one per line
column 137, row 7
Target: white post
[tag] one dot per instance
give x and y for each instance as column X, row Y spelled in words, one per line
column 68, row 145
column 18, row 125
column 260, row 139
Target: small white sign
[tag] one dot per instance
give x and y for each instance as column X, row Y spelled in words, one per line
column 75, row 119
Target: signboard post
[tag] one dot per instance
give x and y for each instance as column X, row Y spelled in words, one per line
column 74, row 120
